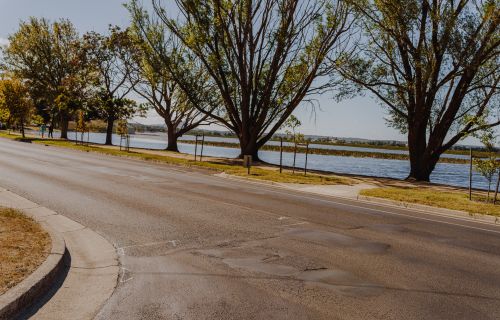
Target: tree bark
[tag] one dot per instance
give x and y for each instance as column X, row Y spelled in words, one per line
column 172, row 139
column 249, row 146
column 109, row 130
column 422, row 160
column 22, row 128
column 421, row 169
column 64, row 125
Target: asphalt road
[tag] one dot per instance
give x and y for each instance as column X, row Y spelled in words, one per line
column 196, row 246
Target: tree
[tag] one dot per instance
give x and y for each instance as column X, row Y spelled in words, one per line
column 487, row 168
column 264, row 57
column 489, row 165
column 434, row 65
column 291, row 125
column 154, row 81
column 49, row 58
column 15, row 102
column 110, row 58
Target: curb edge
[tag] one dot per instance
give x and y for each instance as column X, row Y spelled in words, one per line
column 28, row 291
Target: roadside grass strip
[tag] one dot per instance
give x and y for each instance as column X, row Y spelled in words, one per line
column 24, row 246
column 228, row 166
column 437, row 198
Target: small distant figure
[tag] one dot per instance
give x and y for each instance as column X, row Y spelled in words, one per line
column 51, row 131
column 43, row 127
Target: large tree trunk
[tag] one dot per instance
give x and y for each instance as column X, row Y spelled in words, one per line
column 22, row 128
column 421, row 169
column 422, row 160
column 249, row 146
column 109, row 130
column 172, row 139
column 64, row 125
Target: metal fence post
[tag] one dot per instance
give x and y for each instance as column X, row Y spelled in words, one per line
column 305, row 165
column 294, row 157
column 195, row 147
column 202, row 144
column 281, row 155
column 496, row 189
column 470, row 175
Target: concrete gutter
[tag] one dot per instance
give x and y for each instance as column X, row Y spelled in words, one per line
column 84, row 264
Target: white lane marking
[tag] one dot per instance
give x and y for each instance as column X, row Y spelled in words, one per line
column 376, row 210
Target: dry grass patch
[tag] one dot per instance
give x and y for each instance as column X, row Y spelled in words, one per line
column 288, row 177
column 436, row 198
column 24, row 245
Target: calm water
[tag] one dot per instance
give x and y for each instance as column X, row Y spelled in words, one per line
column 313, row 145
column 445, row 173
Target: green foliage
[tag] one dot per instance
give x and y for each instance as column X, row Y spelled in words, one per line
column 109, row 58
column 490, row 165
column 434, row 65
column 81, row 124
column 291, row 125
column 48, row 57
column 262, row 58
column 16, row 105
column 122, row 128
column 158, row 65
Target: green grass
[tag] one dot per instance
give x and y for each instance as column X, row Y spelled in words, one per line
column 217, row 166
column 436, row 198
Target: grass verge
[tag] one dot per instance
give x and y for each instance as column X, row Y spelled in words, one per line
column 441, row 199
column 266, row 174
column 24, row 245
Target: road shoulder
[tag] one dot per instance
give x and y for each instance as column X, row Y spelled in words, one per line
column 351, row 193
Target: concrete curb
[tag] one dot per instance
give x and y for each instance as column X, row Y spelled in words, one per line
column 38, row 283
column 421, row 207
column 89, row 263
column 373, row 200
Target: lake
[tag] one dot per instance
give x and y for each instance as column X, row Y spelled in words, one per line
column 445, row 173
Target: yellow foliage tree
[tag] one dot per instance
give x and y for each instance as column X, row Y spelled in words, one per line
column 16, row 104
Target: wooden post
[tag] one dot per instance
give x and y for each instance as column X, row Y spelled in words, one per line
column 247, row 162
column 470, row 175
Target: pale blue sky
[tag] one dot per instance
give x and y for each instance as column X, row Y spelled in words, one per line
column 360, row 118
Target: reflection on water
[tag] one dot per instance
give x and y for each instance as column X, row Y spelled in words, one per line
column 445, row 173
